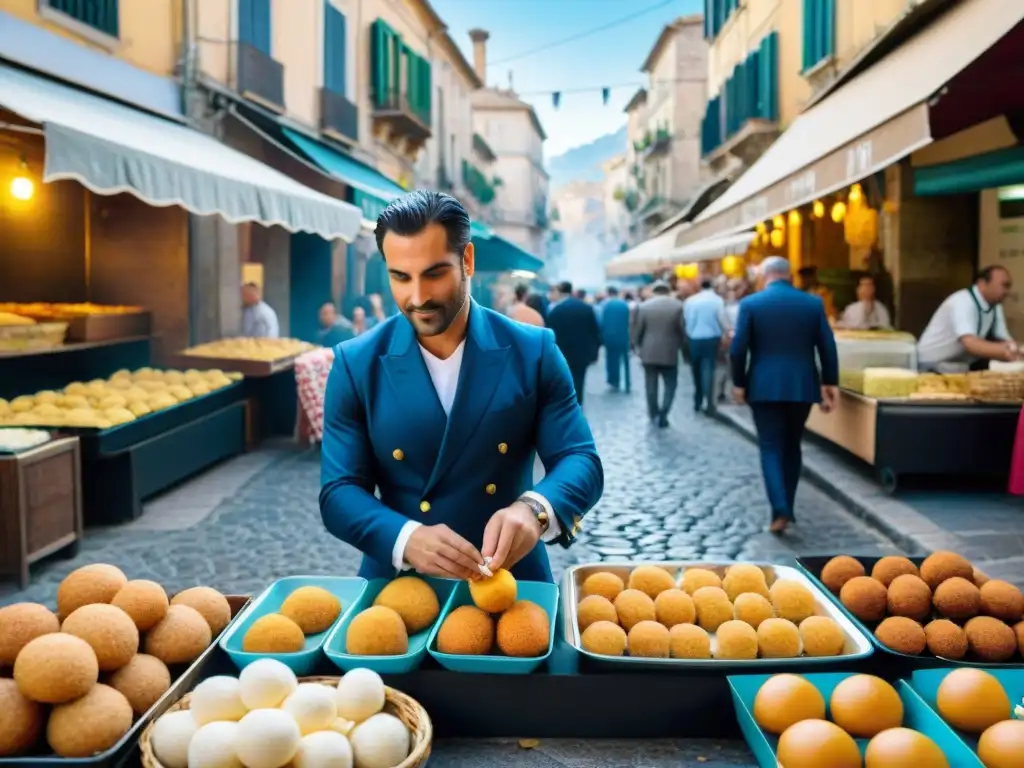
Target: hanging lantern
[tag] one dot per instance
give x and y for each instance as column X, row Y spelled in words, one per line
column 733, row 266
column 778, row 222
column 687, row 271
column 795, row 218
column 818, row 209
column 778, row 238
column 760, row 228
column 856, row 196
column 839, row 212
column 764, row 239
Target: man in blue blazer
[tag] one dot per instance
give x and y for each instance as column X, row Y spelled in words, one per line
column 577, row 334
column 615, row 335
column 442, row 409
column 778, row 334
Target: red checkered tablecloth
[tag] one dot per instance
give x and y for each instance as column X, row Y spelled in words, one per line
column 311, row 371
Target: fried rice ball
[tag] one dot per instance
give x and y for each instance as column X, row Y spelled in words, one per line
column 607, row 585
column 888, row 568
column 946, row 639
column 865, row 598
column 695, row 578
column 909, row 596
column 652, row 580
column 649, row 640
column 943, row 565
column 822, row 636
column 840, row 570
column 753, row 609
column 990, row 639
column 980, row 578
column 1002, row 600
column 744, row 577
column 633, row 606
column 902, row 635
column 604, row 638
column 778, row 639
column 673, row 606
column 713, row 607
column 736, row 640
column 593, row 608
column 792, row 600
column 957, row 598
column 688, row 641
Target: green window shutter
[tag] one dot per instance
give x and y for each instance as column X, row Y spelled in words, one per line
column 819, row 31
column 768, row 78
column 828, row 32
column 707, row 19
column 335, row 47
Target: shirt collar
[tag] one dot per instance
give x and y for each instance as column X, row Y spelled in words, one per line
column 984, row 305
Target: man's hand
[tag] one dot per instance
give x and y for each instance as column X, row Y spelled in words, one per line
column 1011, row 352
column 739, row 395
column 436, row 550
column 510, row 535
column 829, row 399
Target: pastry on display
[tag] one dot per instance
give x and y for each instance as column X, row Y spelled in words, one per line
column 81, row 676
column 48, row 312
column 946, row 607
column 243, row 348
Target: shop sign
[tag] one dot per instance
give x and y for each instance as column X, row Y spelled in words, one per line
column 858, row 159
column 801, row 187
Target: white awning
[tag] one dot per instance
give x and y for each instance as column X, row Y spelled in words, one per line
column 642, row 259
column 111, row 148
column 871, row 122
column 712, row 248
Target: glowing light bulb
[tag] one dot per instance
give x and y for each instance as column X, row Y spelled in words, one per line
column 839, row 212
column 794, row 218
column 819, row 209
column 22, row 188
column 778, row 222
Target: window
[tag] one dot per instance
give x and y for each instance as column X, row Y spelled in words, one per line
column 335, row 49
column 254, row 24
column 101, row 15
column 819, row 32
column 400, row 78
column 716, row 14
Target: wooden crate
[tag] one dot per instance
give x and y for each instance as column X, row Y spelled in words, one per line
column 40, row 505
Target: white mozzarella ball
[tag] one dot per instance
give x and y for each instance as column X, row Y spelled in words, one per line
column 360, row 695
column 382, row 741
column 215, row 745
column 171, row 736
column 325, row 749
column 217, row 699
column 265, row 683
column 313, row 707
column 267, row 738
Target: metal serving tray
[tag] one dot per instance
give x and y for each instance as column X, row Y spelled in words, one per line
column 858, row 645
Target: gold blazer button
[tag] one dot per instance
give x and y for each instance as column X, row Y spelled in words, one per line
column 502, row 447
column 491, row 489
column 424, row 506
column 398, row 453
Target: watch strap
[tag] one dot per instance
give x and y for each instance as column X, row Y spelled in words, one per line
column 538, row 510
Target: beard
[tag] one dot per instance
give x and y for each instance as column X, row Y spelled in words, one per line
column 434, row 318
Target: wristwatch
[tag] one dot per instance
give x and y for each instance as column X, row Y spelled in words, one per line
column 538, row 510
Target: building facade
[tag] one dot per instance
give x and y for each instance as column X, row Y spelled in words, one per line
column 616, row 217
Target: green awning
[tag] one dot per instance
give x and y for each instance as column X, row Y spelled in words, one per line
column 496, row 254
column 1001, row 168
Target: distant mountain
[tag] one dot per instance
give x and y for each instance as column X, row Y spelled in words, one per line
column 583, row 163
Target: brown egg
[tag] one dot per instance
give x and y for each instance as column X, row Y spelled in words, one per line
column 865, row 705
column 972, row 700
column 1002, row 745
column 900, row 747
column 787, row 699
column 816, row 744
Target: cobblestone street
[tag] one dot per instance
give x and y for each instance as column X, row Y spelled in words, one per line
column 689, row 492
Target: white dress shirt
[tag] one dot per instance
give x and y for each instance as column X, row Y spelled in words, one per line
column 445, row 376
column 961, row 314
column 858, row 317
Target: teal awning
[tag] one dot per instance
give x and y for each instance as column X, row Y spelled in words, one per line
column 371, row 190
column 496, row 254
column 1001, row 168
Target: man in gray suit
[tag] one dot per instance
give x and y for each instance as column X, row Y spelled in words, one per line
column 657, row 337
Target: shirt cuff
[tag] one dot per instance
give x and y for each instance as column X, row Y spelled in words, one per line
column 554, row 526
column 398, row 553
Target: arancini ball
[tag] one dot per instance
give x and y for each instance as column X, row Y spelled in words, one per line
column 1002, row 600
column 695, row 578
column 888, row 568
column 865, row 705
column 735, row 640
column 496, row 593
column 97, row 583
column 713, row 608
column 21, row 623
column 466, row 631
column 595, row 608
column 673, row 606
column 822, row 636
column 972, row 700
column 957, row 598
column 783, row 700
column 980, row 578
column 524, row 630
column 946, row 639
column 313, row 608
column 181, row 636
column 752, row 608
column 990, row 639
column 942, row 565
column 903, row 747
column 840, row 570
column 1002, row 744
column 144, row 601
column 91, row 724
column 56, row 668
column 791, row 600
column 909, row 596
column 413, row 599
column 607, row 585
column 604, row 638
column 903, row 635
column 778, row 639
column 744, row 577
column 865, row 598
column 23, row 720
column 142, row 681
column 273, row 633
column 815, row 744
column 652, row 580
column 210, row 604
column 633, row 606
column 649, row 640
column 688, row 641
column 109, row 630
column 377, row 631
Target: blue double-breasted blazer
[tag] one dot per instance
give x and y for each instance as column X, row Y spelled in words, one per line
column 385, row 428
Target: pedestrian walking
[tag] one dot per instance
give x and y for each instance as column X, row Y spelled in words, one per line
column 779, row 333
column 614, row 319
column 523, row 312
column 657, row 336
column 706, row 323
column 576, row 333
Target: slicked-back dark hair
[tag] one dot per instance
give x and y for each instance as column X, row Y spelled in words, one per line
column 410, row 214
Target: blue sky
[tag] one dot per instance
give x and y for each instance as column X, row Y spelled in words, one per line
column 611, row 57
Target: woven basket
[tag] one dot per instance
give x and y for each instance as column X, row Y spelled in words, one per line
column 405, row 708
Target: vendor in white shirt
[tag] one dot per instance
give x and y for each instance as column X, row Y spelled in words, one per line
column 969, row 328
column 866, row 313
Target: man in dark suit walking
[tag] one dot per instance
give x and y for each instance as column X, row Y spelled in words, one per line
column 774, row 369
column 615, row 334
column 577, row 334
column 658, row 339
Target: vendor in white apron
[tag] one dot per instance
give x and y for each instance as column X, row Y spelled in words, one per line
column 968, row 330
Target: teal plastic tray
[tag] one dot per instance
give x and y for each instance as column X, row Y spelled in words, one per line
column 348, row 589
column 543, row 594
column 917, row 715
column 926, row 684
column 334, row 645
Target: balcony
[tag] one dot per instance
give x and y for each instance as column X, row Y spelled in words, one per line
column 259, row 78
column 477, row 185
column 339, row 117
column 395, row 111
column 659, row 142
